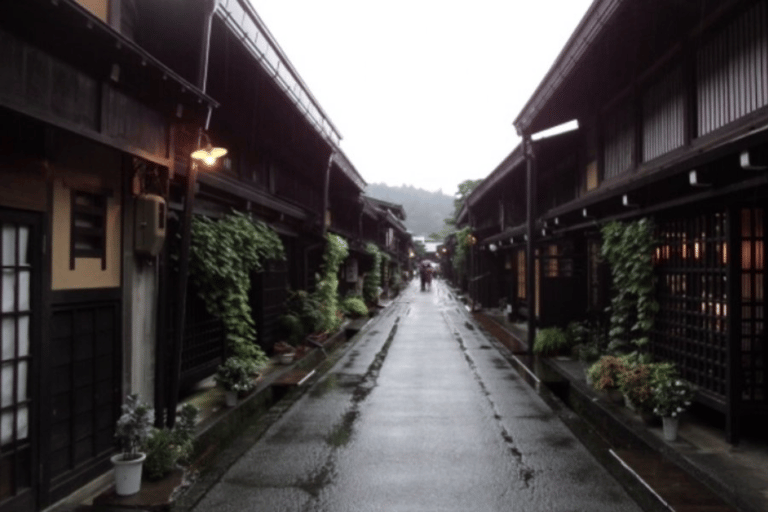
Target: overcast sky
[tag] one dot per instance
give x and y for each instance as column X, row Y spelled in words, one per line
column 424, row 92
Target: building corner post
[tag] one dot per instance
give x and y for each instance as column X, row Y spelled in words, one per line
column 530, row 247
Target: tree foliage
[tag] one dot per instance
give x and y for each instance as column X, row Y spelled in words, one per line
column 425, row 209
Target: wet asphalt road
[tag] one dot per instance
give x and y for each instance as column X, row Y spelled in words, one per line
column 421, row 414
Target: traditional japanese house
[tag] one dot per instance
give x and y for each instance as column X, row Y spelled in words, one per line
column 284, row 167
column 87, row 125
column 383, row 224
column 671, row 107
column 101, row 105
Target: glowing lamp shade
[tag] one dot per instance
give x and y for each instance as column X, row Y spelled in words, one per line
column 209, row 155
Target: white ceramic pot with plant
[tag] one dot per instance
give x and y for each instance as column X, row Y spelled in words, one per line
column 672, row 397
column 235, row 377
column 133, row 428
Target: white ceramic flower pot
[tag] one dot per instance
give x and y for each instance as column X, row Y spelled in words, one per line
column 230, row 397
column 670, row 426
column 127, row 474
column 287, row 358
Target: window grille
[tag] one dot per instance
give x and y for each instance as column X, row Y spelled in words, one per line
column 89, row 227
column 691, row 328
column 619, row 140
column 753, row 387
column 551, row 261
column 664, row 115
column 732, row 70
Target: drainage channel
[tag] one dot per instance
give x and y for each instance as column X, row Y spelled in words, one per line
column 654, row 482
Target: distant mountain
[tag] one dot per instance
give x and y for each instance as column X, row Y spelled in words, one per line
column 424, row 210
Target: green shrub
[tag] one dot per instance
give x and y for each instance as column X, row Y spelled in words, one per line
column 604, row 374
column 166, row 448
column 551, row 341
column 234, row 375
column 354, row 307
column 635, row 384
column 372, row 280
column 161, row 454
column 294, row 330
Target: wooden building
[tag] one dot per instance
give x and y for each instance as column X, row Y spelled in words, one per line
column 101, row 104
column 86, row 117
column 671, row 103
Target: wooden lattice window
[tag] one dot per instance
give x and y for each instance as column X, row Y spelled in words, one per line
column 753, row 385
column 593, row 269
column 551, row 261
column 89, row 227
column 619, row 134
column 521, row 274
column 691, row 328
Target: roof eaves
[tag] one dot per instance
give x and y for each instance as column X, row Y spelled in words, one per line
column 243, row 20
column 589, row 28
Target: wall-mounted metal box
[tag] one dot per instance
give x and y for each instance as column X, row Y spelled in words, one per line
column 149, row 232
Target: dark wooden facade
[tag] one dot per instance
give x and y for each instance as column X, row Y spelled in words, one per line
column 95, row 108
column 83, row 112
column 672, row 108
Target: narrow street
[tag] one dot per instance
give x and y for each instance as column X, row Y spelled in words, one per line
column 422, row 413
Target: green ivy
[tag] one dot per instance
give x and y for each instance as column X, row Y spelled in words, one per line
column 372, row 280
column 326, row 292
column 223, row 255
column 628, row 248
column 462, row 252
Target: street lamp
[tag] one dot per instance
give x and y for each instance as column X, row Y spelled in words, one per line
column 208, row 155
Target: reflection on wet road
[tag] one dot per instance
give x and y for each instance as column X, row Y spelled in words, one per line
column 420, row 414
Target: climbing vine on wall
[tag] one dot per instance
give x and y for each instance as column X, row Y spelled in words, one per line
column 223, row 254
column 628, row 249
column 373, row 278
column 327, row 288
column 462, row 251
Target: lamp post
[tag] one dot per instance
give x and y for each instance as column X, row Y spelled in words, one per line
column 208, row 156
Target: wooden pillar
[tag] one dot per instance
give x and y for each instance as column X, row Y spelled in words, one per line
column 530, row 256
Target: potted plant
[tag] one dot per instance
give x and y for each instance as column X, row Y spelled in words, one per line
column 551, row 341
column 635, row 384
column 166, row 448
column 234, row 376
column 604, row 375
column 671, row 398
column 133, row 428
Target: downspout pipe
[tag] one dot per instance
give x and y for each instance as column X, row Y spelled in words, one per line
column 530, row 248
column 186, row 227
column 326, row 191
